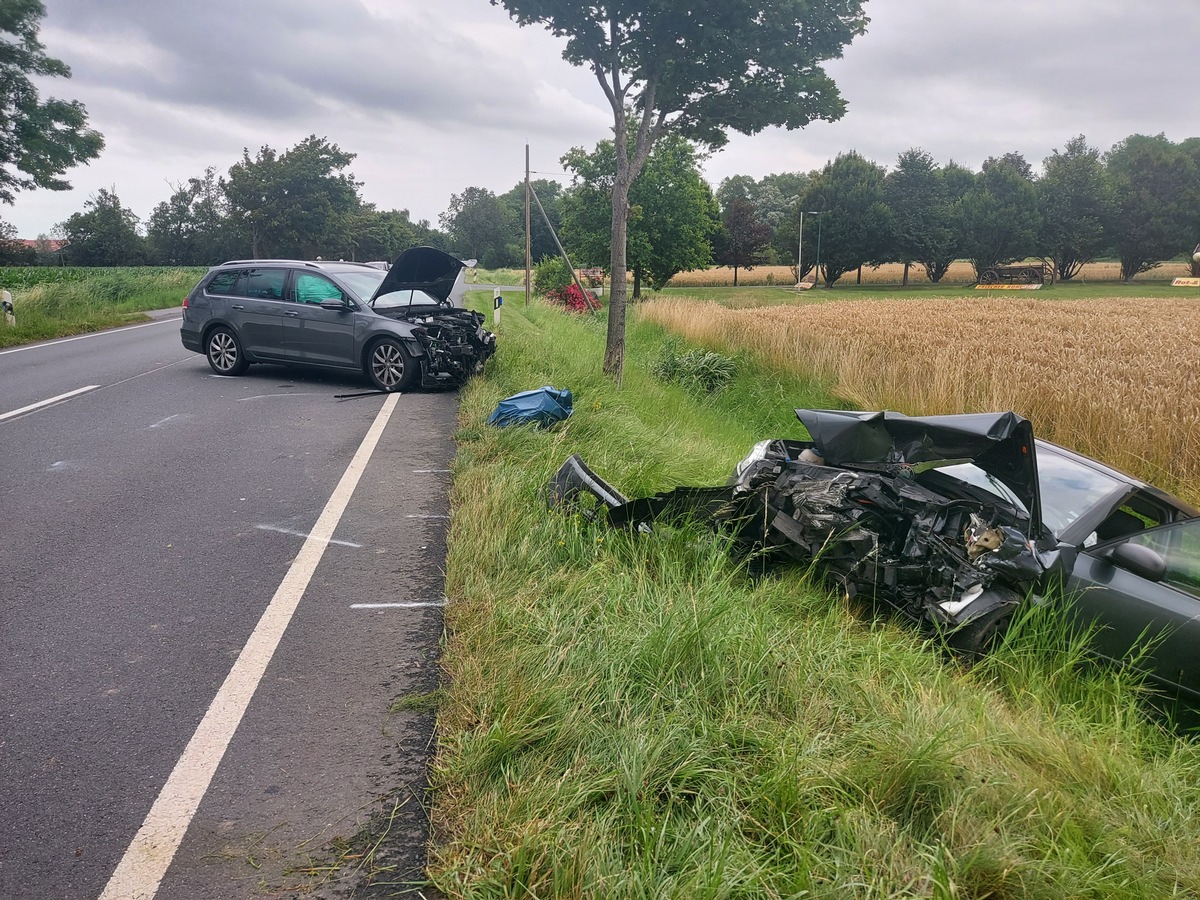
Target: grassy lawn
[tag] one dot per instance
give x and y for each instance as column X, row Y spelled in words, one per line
column 630, row 715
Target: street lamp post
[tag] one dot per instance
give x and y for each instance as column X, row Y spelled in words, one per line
column 800, row 247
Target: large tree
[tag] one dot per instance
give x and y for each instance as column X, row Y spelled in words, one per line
column 699, row 71
column 298, row 203
column 673, row 214
column 541, row 241
column 1156, row 186
column 104, row 234
column 744, row 237
column 919, row 197
column 192, row 226
column 998, row 220
column 1076, row 200
column 38, row 140
column 855, row 223
column 482, row 227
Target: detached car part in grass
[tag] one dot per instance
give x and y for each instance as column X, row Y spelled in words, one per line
column 402, row 327
column 954, row 521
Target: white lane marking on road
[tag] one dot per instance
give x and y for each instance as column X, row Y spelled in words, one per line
column 430, row 471
column 141, row 869
column 162, row 422
column 414, row 604
column 415, row 516
column 84, row 337
column 303, row 535
column 32, row 406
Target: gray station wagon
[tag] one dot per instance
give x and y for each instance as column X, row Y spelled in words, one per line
column 402, row 327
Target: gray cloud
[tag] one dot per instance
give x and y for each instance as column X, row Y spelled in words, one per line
column 434, row 98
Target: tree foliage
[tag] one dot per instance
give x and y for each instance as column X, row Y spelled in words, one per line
column 997, row 219
column 673, row 214
column 481, row 226
column 541, row 242
column 743, row 238
column 699, row 72
column 1156, row 199
column 39, row 140
column 919, row 195
column 293, row 204
column 855, row 221
column 104, row 234
column 1076, row 200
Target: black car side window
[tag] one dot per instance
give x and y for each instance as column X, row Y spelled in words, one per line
column 231, row 283
column 266, row 284
column 1179, row 546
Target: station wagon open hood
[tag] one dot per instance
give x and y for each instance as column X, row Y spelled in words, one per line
column 427, row 269
column 1000, row 444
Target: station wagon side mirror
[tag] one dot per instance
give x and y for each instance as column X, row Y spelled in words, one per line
column 335, row 305
column 1140, row 560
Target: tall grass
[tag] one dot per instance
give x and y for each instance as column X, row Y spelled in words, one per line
column 1116, row 379
column 53, row 302
column 631, row 715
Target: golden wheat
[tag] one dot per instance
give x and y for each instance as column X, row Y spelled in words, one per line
column 1116, row 379
column 961, row 272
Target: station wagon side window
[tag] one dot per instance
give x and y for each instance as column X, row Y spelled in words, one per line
column 265, row 284
column 313, row 288
column 231, row 283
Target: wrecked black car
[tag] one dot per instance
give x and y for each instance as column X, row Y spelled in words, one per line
column 954, row 521
column 401, row 327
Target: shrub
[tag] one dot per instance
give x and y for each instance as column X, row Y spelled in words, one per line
column 551, row 274
column 697, row 370
column 572, row 299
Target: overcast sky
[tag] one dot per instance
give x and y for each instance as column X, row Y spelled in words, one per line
column 434, row 97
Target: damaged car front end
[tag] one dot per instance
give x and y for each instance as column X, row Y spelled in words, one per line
column 879, row 502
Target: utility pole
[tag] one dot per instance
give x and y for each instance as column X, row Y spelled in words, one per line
column 528, row 256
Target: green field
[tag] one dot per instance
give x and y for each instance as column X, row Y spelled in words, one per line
column 56, row 302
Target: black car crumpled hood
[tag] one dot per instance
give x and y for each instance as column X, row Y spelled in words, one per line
column 423, row 269
column 1000, row 444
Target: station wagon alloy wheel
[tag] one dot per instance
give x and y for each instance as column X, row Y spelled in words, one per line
column 225, row 354
column 391, row 368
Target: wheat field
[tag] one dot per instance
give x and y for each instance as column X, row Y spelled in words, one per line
column 1115, row 379
column 960, row 272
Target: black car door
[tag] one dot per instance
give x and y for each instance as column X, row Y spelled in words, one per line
column 1153, row 621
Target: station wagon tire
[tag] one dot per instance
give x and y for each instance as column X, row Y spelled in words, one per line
column 224, row 352
column 390, row 367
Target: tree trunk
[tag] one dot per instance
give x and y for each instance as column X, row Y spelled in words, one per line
column 735, row 268
column 905, row 284
column 614, row 350
column 858, row 278
column 637, row 283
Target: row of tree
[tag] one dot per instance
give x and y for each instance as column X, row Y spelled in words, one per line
column 1139, row 202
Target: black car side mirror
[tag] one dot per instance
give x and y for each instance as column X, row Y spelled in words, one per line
column 335, row 305
column 1140, row 560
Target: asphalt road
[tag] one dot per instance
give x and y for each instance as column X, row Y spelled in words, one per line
column 147, row 523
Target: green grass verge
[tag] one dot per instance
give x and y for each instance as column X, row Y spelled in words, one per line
column 631, row 716
column 58, row 302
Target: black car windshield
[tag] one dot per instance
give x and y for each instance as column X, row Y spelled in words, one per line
column 1068, row 489
column 364, row 283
